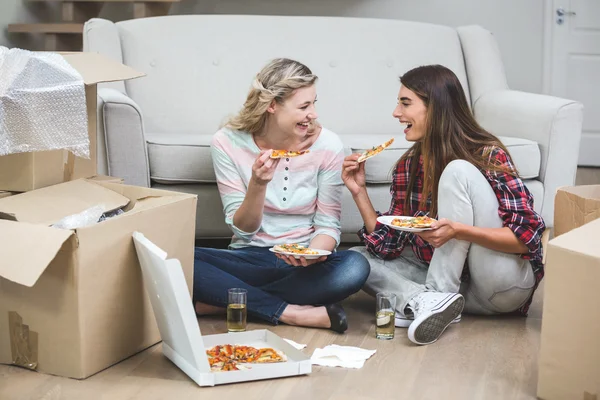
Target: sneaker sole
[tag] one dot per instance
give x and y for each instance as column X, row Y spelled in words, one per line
column 405, row 323
column 428, row 328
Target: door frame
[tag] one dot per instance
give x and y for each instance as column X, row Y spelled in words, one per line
column 548, row 15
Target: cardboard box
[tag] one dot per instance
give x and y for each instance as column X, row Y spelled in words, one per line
column 22, row 172
column 569, row 364
column 575, row 206
column 183, row 342
column 72, row 302
column 104, row 178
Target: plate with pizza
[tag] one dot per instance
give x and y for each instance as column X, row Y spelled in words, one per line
column 238, row 357
column 287, row 153
column 407, row 224
column 374, row 151
column 297, row 250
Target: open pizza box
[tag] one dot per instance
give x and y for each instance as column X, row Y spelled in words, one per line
column 183, row 342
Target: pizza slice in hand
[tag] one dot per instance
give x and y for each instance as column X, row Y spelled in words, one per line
column 374, row 151
column 287, row 153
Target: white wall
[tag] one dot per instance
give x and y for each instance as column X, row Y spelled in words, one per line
column 16, row 11
column 516, row 24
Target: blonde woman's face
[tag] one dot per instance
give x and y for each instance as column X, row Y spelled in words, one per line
column 412, row 112
column 295, row 114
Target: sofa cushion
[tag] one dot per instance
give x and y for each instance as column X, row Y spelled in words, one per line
column 525, row 154
column 185, row 158
column 180, row 158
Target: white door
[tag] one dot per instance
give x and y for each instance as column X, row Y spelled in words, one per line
column 575, row 66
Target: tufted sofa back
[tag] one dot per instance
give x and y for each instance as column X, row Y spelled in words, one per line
column 358, row 62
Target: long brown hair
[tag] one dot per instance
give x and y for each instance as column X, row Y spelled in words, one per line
column 452, row 132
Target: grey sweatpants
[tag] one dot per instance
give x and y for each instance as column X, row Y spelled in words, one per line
column 500, row 282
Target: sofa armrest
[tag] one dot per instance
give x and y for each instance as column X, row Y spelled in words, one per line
column 122, row 150
column 102, row 36
column 554, row 123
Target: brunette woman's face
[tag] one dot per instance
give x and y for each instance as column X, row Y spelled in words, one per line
column 412, row 112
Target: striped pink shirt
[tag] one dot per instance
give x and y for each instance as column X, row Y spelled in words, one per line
column 303, row 199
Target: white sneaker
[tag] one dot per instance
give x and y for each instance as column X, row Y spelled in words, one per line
column 404, row 322
column 433, row 312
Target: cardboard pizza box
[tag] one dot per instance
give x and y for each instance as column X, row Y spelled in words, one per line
column 183, row 342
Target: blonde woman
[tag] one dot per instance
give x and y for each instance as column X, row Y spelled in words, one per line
column 276, row 201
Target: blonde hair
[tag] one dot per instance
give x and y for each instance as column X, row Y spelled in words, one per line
column 275, row 82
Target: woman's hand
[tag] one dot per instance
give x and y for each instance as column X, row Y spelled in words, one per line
column 441, row 232
column 300, row 262
column 353, row 174
column 264, row 168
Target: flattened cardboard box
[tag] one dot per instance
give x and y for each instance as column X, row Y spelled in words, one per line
column 72, row 302
column 575, row 206
column 22, row 172
column 569, row 363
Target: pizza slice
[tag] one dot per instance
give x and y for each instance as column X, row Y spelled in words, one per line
column 294, row 248
column 374, row 151
column 287, row 153
column 246, row 354
column 268, row 355
column 415, row 222
column 423, row 222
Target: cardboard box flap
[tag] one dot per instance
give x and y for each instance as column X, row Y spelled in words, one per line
column 96, row 68
column 27, row 250
column 581, row 240
column 48, row 205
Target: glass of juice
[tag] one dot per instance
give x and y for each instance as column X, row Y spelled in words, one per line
column 236, row 310
column 384, row 315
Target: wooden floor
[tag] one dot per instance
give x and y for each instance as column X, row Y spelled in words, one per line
column 588, row 176
column 480, row 358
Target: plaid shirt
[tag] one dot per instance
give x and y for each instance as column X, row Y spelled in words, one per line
column 515, row 207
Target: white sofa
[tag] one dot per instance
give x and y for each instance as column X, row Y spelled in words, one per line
column 155, row 131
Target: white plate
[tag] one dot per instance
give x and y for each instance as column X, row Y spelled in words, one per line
column 307, row 256
column 387, row 220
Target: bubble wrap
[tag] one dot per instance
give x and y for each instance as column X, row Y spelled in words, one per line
column 85, row 218
column 42, row 104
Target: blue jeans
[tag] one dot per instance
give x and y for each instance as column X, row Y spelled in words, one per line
column 271, row 283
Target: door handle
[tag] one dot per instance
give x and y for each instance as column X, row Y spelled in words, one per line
column 561, row 12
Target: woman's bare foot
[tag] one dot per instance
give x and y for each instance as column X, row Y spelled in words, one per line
column 315, row 317
column 207, row 309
